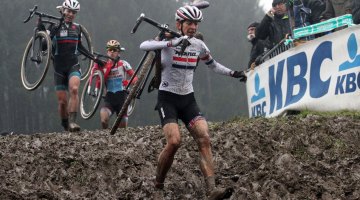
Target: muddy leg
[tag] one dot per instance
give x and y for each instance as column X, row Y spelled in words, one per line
column 166, row 157
column 62, row 108
column 200, row 133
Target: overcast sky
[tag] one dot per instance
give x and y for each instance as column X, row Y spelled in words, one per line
column 266, row 4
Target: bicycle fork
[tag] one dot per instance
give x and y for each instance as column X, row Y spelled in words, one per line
column 35, row 55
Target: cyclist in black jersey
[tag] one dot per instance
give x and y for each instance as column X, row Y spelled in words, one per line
column 176, row 98
column 66, row 46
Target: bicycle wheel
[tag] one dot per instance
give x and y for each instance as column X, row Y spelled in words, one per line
column 90, row 101
column 36, row 60
column 132, row 94
column 85, row 63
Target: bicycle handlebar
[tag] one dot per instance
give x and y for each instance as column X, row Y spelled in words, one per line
column 35, row 12
column 138, row 22
column 32, row 12
column 161, row 27
column 103, row 56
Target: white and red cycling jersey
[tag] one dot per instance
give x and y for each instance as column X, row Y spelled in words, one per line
column 178, row 69
column 115, row 76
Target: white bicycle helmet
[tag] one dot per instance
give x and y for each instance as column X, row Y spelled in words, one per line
column 191, row 13
column 71, row 5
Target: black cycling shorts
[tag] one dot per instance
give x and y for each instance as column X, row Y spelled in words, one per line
column 114, row 101
column 64, row 69
column 172, row 107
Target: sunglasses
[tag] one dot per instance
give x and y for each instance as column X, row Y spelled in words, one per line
column 113, row 50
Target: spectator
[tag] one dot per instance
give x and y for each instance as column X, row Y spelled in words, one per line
column 336, row 8
column 317, row 7
column 275, row 25
column 258, row 46
column 356, row 11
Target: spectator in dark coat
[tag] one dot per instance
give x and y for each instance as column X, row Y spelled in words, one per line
column 258, row 46
column 356, row 11
column 317, row 7
column 336, row 8
column 275, row 25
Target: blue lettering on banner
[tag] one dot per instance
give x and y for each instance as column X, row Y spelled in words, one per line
column 352, row 51
column 275, row 86
column 303, row 76
column 300, row 60
column 347, row 83
column 259, row 92
column 258, row 110
column 322, row 87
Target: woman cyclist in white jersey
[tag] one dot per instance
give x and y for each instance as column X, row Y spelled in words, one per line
column 176, row 96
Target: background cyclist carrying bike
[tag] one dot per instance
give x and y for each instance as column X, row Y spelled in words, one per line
column 176, row 96
column 66, row 45
column 115, row 78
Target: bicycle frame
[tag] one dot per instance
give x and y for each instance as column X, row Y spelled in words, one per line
column 163, row 29
column 40, row 25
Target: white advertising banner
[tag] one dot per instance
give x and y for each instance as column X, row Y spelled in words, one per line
column 320, row 75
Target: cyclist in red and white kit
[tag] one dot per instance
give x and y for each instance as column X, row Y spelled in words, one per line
column 115, row 77
column 176, row 96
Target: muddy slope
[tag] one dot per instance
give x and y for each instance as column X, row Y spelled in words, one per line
column 303, row 157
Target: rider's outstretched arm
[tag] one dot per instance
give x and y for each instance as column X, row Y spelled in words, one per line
column 220, row 69
column 215, row 66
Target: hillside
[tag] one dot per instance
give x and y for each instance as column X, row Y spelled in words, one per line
column 309, row 156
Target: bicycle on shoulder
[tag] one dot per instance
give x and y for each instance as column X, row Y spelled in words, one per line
column 95, row 89
column 146, row 65
column 38, row 52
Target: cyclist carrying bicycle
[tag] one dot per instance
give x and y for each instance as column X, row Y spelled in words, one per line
column 176, row 97
column 115, row 73
column 66, row 39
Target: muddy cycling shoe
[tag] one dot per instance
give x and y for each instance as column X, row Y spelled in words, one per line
column 65, row 124
column 73, row 127
column 220, row 193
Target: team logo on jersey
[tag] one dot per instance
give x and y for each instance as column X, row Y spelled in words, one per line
column 185, row 53
column 165, row 84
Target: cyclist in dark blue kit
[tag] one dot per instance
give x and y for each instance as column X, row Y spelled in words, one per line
column 66, row 47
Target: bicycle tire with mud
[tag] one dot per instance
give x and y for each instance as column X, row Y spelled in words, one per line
column 132, row 94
